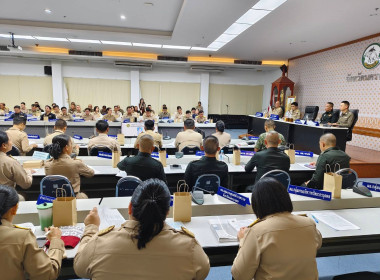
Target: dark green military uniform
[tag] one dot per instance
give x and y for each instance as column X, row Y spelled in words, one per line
column 329, row 117
column 260, row 144
column 331, row 156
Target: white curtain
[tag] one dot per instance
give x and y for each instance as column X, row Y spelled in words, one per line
column 28, row 89
column 241, row 100
column 98, row 92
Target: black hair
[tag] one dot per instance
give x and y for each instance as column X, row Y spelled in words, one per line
column 220, row 125
column 148, row 109
column 150, row 205
column 17, row 106
column 164, row 108
column 4, row 139
column 8, row 199
column 330, row 103
column 192, row 109
column 199, row 102
column 200, row 112
column 55, row 106
column 149, row 124
column 269, row 197
column 48, row 106
column 102, row 125
column 295, row 104
column 149, row 105
column 346, row 102
column 189, row 123
column 87, row 109
column 179, row 107
column 23, row 103
column 96, row 107
column 115, row 106
column 107, row 110
column 63, row 108
column 210, row 145
column 34, row 105
column 60, row 124
column 19, row 120
column 59, row 142
column 188, row 111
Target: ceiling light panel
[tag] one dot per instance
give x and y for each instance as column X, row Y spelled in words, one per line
column 216, row 45
column 268, row 4
column 176, row 47
column 225, row 38
column 84, row 41
column 147, row 45
column 116, row 43
column 252, row 16
column 237, row 28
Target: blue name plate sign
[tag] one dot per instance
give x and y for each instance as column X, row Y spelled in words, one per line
column 79, row 120
column 33, row 136
column 259, row 114
column 156, row 155
column 44, row 198
column 171, row 201
column 52, row 120
column 372, row 186
column 105, row 155
column 40, row 155
column 32, row 120
column 298, row 122
column 303, row 153
column 112, row 136
column 165, row 118
column 247, row 153
column 274, row 117
column 233, row 196
column 313, row 193
column 78, row 137
column 170, row 121
column 253, row 138
column 200, row 153
column 127, row 121
column 8, row 120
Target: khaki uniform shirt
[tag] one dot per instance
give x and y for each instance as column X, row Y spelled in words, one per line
column 117, row 114
column 294, row 114
column 162, row 115
column 103, row 140
column 346, row 119
column 198, row 119
column 12, row 173
column 90, row 117
column 114, row 255
column 70, row 168
column 49, row 140
column 156, row 137
column 278, row 111
column 187, row 118
column 186, row 138
column 67, row 117
column 36, row 113
column 2, row 112
column 199, row 108
column 178, row 116
column 97, row 116
column 20, row 255
column 20, row 140
column 279, row 247
column 128, row 116
column 223, row 137
column 25, row 111
column 145, row 117
column 110, row 118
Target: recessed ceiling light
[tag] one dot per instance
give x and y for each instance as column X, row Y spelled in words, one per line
column 48, row 11
column 116, row 43
column 147, row 45
column 176, row 47
column 84, row 41
column 216, row 45
column 237, row 28
column 252, row 16
column 123, row 17
column 50, row 39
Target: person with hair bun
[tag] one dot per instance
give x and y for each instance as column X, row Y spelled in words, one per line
column 144, row 247
column 223, row 137
column 20, row 254
column 62, row 164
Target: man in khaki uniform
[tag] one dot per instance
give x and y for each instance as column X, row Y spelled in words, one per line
column 148, row 115
column 277, row 110
column 64, row 115
column 56, row 110
column 188, row 136
column 294, row 112
column 60, row 127
column 164, row 113
column 149, row 129
column 178, row 116
column 200, row 118
column 23, row 108
column 87, row 116
column 34, row 111
column 4, row 109
column 109, row 116
column 187, row 116
column 346, row 118
column 129, row 114
column 18, row 137
column 116, row 112
column 102, row 139
column 224, row 138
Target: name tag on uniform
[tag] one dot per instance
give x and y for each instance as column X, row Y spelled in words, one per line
column 105, row 155
column 33, row 136
column 304, row 154
column 313, row 193
column 233, row 196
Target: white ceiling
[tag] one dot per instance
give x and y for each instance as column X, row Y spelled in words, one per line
column 295, row 28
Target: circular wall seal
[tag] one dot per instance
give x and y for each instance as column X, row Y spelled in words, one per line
column 371, row 56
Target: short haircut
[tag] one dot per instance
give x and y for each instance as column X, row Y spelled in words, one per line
column 272, row 138
column 63, row 108
column 17, row 107
column 270, row 123
column 34, row 105
column 101, row 126
column 48, row 106
column 211, row 145
column 346, row 102
column 146, row 142
column 72, row 103
column 188, row 111
column 192, row 109
column 4, row 139
column 149, row 105
column 329, row 139
column 269, row 197
column 199, row 102
column 220, row 125
column 108, row 109
column 55, row 106
column 331, row 104
column 19, row 120
column 164, row 108
column 115, row 106
column 189, row 123
column 200, row 112
column 87, row 109
column 179, row 107
column 148, row 109
column 23, row 103
column 60, row 124
column 295, row 104
column 149, row 124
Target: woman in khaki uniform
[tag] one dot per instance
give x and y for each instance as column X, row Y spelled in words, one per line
column 62, row 164
column 278, row 245
column 144, row 247
column 20, row 254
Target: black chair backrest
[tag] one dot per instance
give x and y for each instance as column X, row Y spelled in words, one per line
column 126, row 186
column 47, row 148
column 200, row 131
column 208, row 182
column 311, row 112
column 355, row 112
column 14, row 152
column 190, row 150
column 227, row 150
column 95, row 150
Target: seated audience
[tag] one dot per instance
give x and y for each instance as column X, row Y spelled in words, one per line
column 48, row 114
column 148, row 115
column 129, row 113
column 208, row 164
column 78, row 111
column 330, row 154
column 23, row 108
column 150, row 107
column 223, row 137
column 269, row 125
column 90, row 107
column 18, row 137
column 87, row 116
column 270, row 159
column 97, row 115
column 164, row 113
column 104, row 110
column 178, row 116
column 64, row 115
column 149, row 129
column 199, row 107
column 143, row 165
column 62, row 164
column 278, row 245
column 187, row 116
column 3, row 110
column 34, row 111
column 120, row 110
column 73, row 108
column 188, row 137
column 346, row 118
column 144, row 239
column 38, row 106
column 56, row 110
column 116, row 112
column 329, row 116
column 18, row 113
column 277, row 110
column 200, row 118
column 294, row 112
column 60, row 127
column 102, row 139
column 193, row 113
column 109, row 116
column 20, row 254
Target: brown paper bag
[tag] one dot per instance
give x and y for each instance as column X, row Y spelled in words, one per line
column 291, row 153
column 236, row 156
column 64, row 210
column 162, row 157
column 46, row 118
column 120, row 139
column 115, row 158
column 182, row 203
column 332, row 182
column 33, row 164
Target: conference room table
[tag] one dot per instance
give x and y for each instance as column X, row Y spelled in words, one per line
column 106, row 177
column 304, row 137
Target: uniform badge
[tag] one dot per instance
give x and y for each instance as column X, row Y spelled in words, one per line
column 20, row 227
column 187, row 232
column 254, row 223
column 106, row 230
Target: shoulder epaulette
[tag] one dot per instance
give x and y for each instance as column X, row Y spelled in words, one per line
column 20, row 227
column 187, row 232
column 105, row 231
column 254, row 223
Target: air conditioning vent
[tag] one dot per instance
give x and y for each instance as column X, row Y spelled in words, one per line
column 206, row 68
column 248, row 62
column 86, row 53
column 172, row 58
column 134, row 64
column 4, row 48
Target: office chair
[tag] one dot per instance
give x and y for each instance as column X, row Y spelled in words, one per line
column 349, row 177
column 127, row 185
column 14, row 152
column 208, row 182
column 50, row 183
column 356, row 116
column 96, row 149
column 311, row 113
column 363, row 275
column 227, row 149
column 280, row 175
column 190, row 150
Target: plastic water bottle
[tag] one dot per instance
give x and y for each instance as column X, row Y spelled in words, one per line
column 221, row 155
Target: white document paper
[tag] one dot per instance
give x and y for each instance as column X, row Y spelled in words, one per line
column 28, row 225
column 238, row 224
column 334, row 220
column 109, row 217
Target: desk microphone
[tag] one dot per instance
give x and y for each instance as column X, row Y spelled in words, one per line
column 166, row 137
column 246, row 137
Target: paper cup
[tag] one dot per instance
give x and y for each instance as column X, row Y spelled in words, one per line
column 45, row 214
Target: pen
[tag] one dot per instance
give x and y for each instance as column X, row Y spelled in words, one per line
column 314, row 218
column 101, row 200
